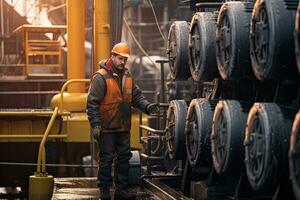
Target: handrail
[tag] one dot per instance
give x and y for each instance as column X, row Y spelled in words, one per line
column 21, row 113
column 64, row 87
column 4, row 163
column 152, row 130
column 44, row 160
column 30, row 136
column 41, row 154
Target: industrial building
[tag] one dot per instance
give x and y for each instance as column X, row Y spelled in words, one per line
column 225, row 75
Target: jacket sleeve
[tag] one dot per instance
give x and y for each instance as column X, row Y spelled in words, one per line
column 96, row 94
column 139, row 101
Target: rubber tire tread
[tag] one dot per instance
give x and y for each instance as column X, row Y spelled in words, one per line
column 239, row 65
column 207, row 69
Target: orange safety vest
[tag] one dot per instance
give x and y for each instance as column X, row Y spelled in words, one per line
column 115, row 108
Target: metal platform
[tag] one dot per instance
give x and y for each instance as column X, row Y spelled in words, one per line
column 75, row 188
column 86, row 188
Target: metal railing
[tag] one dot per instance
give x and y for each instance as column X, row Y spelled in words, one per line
column 49, row 113
column 152, row 133
column 42, row 153
column 64, row 87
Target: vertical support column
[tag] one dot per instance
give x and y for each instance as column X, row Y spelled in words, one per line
column 139, row 19
column 76, row 55
column 25, row 42
column 162, row 87
column 2, row 30
column 148, row 162
column 159, row 125
column 140, row 129
column 165, row 20
column 101, row 31
column 162, row 82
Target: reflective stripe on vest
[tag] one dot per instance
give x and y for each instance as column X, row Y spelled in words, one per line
column 115, row 108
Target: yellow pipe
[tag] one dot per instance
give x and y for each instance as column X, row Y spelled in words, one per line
column 16, row 136
column 75, row 30
column 51, row 122
column 64, row 88
column 26, row 52
column 44, row 160
column 101, row 31
column 33, row 113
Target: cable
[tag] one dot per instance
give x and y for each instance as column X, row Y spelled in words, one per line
column 57, row 7
column 156, row 21
column 137, row 42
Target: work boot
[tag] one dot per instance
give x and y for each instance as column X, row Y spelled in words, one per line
column 104, row 194
column 124, row 194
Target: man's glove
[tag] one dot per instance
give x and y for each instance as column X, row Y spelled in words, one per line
column 152, row 108
column 96, row 131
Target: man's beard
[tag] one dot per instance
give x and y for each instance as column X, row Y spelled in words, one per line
column 118, row 67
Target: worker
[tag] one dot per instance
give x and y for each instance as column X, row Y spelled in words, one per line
column 111, row 94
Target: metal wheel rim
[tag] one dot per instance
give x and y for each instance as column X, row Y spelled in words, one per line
column 260, row 37
column 193, row 136
column 224, row 41
column 256, row 149
column 221, row 139
column 157, row 144
column 170, row 133
column 195, row 47
column 172, row 49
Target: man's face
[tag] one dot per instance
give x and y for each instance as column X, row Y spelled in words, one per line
column 119, row 61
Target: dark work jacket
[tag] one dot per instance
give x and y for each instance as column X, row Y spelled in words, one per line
column 109, row 103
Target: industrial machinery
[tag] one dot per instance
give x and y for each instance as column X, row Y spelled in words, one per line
column 40, row 53
column 32, row 72
column 36, row 84
column 235, row 140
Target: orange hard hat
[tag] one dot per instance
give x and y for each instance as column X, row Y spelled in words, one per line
column 121, row 49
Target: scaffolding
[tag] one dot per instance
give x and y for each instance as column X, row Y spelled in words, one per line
column 39, row 51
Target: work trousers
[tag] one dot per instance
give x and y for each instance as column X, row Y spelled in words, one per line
column 111, row 146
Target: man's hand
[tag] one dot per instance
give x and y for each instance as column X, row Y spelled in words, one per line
column 96, row 131
column 153, row 108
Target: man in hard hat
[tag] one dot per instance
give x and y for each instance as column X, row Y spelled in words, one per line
column 111, row 94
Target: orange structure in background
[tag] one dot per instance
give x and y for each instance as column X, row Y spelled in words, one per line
column 40, row 51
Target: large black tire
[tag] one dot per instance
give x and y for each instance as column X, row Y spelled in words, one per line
column 175, row 125
column 202, row 53
column 297, row 37
column 271, row 41
column 178, row 50
column 294, row 156
column 232, row 41
column 198, row 130
column 229, row 120
column 266, row 146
